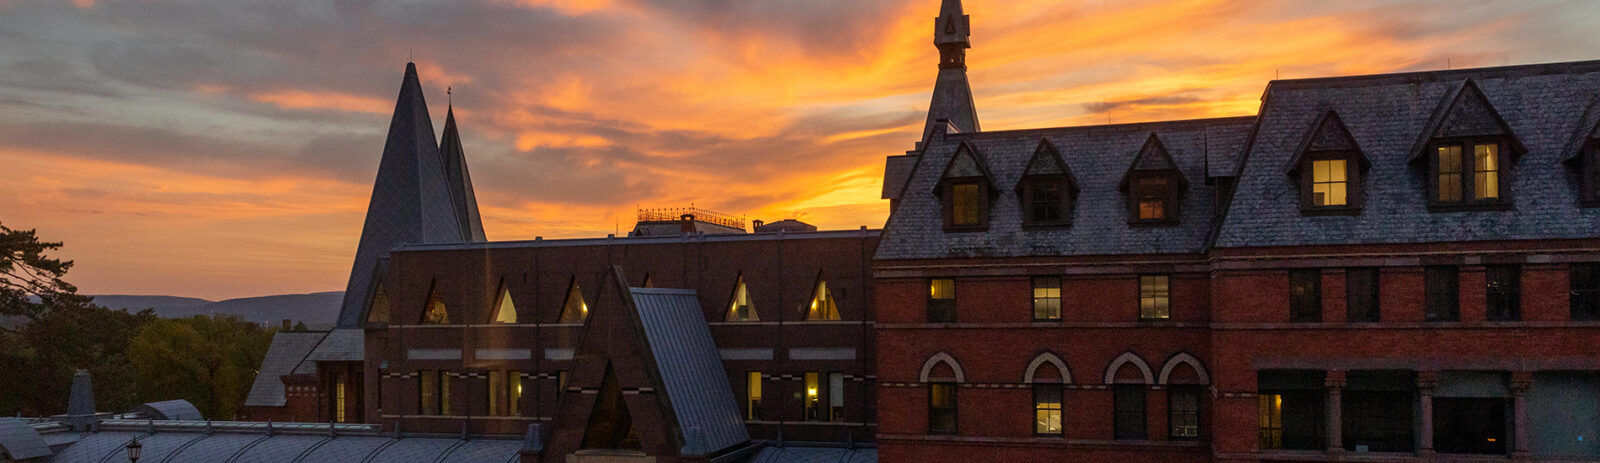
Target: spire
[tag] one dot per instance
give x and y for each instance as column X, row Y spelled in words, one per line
column 411, row 201
column 455, row 170
column 952, row 95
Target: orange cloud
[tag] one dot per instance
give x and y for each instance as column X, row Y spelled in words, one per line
column 300, row 99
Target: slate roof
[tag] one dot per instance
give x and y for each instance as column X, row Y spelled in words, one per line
column 19, row 441
column 340, row 345
column 286, row 352
column 411, row 198
column 455, row 170
column 1545, row 106
column 1099, row 157
column 691, row 368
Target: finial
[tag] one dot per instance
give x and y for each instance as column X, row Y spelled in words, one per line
column 450, row 95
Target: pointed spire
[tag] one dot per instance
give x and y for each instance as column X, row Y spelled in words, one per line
column 952, row 95
column 455, row 169
column 411, row 201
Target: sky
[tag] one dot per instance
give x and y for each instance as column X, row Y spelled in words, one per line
column 227, row 149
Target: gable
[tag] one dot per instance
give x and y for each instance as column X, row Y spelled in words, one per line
column 1466, row 112
column 1328, row 133
column 966, row 163
column 1153, row 157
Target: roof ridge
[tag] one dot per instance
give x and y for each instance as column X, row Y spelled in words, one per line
column 1440, row 75
column 1135, row 126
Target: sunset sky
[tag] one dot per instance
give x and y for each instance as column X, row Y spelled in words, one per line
column 227, row 149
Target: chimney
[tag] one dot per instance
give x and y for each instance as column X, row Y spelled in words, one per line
column 756, row 224
column 80, row 402
column 687, row 220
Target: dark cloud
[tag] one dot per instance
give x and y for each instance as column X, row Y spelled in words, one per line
column 1108, row 106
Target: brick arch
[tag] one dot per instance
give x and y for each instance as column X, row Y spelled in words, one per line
column 935, row 360
column 1127, row 358
column 1184, row 358
column 1051, row 358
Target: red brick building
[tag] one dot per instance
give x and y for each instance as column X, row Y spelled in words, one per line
column 1402, row 267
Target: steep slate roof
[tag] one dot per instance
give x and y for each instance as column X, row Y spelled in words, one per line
column 1543, row 105
column 411, row 199
column 287, row 350
column 455, row 170
column 340, row 345
column 691, row 367
column 1098, row 157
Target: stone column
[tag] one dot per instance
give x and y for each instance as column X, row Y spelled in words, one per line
column 1520, row 380
column 1426, row 381
column 1335, row 382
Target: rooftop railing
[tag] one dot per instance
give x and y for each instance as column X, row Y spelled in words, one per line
column 673, row 214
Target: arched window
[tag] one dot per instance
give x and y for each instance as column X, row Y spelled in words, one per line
column 1129, row 376
column 1185, row 380
column 1047, row 375
column 943, row 376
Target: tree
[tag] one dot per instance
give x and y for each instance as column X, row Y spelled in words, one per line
column 30, row 282
column 209, row 361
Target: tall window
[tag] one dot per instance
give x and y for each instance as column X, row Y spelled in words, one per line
column 1305, row 296
column 813, row 410
column 339, row 384
column 1330, row 184
column 506, row 310
column 1585, row 291
column 965, row 203
column 514, row 393
column 1504, row 291
column 1046, row 298
column 1154, row 297
column 427, row 392
column 1468, row 172
column 1361, row 294
column 1047, row 409
column 942, row 408
column 941, row 300
column 444, row 392
column 1183, row 412
column 1271, row 422
column 1591, row 174
column 1129, row 416
column 740, row 310
column 835, row 396
column 497, row 393
column 752, row 395
column 822, row 305
column 1443, row 302
column 1155, row 199
column 1046, row 199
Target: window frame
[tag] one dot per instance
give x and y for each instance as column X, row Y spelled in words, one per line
column 1031, row 186
column 1060, row 409
column 1584, row 295
column 1155, row 297
column 1508, row 294
column 952, row 409
column 811, row 394
column 754, row 394
column 1446, row 292
column 1373, row 314
column 947, row 193
column 1589, row 172
column 1034, row 287
column 1468, row 173
column 1170, row 204
column 938, row 306
column 1121, row 418
column 1305, row 308
column 1174, row 392
column 1352, row 180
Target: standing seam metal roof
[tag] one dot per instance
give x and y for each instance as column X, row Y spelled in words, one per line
column 691, row 368
column 21, row 441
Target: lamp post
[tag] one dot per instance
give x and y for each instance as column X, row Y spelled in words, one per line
column 134, row 448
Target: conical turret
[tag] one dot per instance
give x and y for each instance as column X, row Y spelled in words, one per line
column 455, row 169
column 952, row 95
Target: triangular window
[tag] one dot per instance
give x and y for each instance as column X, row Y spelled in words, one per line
column 610, row 425
column 378, row 308
column 505, row 310
column 822, row 306
column 740, row 309
column 575, row 310
column 1154, row 185
column 435, row 313
column 648, row 283
column 1046, row 188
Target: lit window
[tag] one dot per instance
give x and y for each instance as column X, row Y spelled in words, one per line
column 941, row 300
column 338, row 396
column 967, row 205
column 497, row 391
column 822, row 305
column 1154, row 196
column 575, row 310
column 813, row 410
column 753, row 395
column 505, row 311
column 1486, row 171
column 1271, row 422
column 942, row 408
column 1046, row 298
column 1329, row 183
column 444, row 392
column 1047, row 409
column 740, row 309
column 1154, row 297
column 514, row 391
column 427, row 393
column 436, row 313
column 1449, row 173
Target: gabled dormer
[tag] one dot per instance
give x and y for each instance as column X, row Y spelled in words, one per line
column 1582, row 154
column 1467, row 149
column 1154, row 186
column 1329, row 168
column 1047, row 188
column 966, row 190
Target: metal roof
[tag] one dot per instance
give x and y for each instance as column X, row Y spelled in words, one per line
column 691, row 369
column 20, row 441
column 288, row 349
column 94, row 447
column 247, row 442
column 801, row 454
column 170, row 410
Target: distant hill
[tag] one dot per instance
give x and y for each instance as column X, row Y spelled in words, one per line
column 317, row 310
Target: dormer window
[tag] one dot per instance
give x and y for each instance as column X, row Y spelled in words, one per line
column 1154, row 186
column 1591, row 174
column 1046, row 188
column 1329, row 168
column 966, row 191
column 1467, row 148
